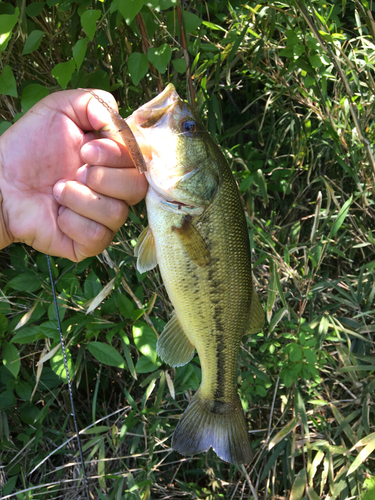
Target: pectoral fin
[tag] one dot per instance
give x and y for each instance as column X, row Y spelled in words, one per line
column 173, row 345
column 256, row 316
column 193, row 243
column 145, row 251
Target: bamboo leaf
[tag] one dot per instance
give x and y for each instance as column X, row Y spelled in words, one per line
column 298, row 486
column 101, row 296
column 283, row 432
column 341, row 217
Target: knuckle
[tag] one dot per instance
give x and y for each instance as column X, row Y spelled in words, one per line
column 97, row 234
column 118, row 212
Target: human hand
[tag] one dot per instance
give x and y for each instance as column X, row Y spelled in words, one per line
column 63, row 191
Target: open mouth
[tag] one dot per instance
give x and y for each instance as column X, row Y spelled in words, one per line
column 179, row 204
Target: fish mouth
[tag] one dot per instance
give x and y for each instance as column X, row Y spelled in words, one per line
column 179, row 204
column 150, row 113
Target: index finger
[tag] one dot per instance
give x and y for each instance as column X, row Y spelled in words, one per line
column 118, row 130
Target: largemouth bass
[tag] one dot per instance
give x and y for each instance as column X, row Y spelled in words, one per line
column 197, row 235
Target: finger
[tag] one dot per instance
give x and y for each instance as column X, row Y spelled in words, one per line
column 126, row 184
column 101, row 209
column 89, row 237
column 106, row 152
column 83, row 108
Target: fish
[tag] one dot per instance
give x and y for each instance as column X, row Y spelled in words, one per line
column 197, row 235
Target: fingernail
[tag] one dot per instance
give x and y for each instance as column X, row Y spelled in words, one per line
column 91, row 153
column 61, row 209
column 57, row 189
column 81, row 175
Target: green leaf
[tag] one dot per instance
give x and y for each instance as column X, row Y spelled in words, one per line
column 300, row 409
column 7, row 23
column 3, row 323
column 32, row 94
column 9, row 485
column 8, row 84
column 236, row 44
column 23, row 389
column 137, row 66
column 129, row 9
column 363, row 454
column 125, row 305
column 298, row 486
column 34, row 9
column 213, row 26
column 92, row 286
column 309, row 355
column 272, row 459
column 368, row 491
column 7, row 399
column 27, row 335
column 88, row 22
column 49, row 329
column 79, row 52
column 32, row 41
column 261, row 391
column 52, row 310
column 295, row 353
column 315, row 61
column 160, row 57
column 11, row 359
column 179, row 65
column 99, row 80
column 191, row 21
column 283, row 432
column 144, row 365
column 341, row 217
column 4, row 126
column 58, row 366
column 106, row 354
column 272, row 290
column 129, row 360
column 62, row 72
column 145, row 340
column 25, row 282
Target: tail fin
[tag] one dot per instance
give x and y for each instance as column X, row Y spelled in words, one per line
column 207, row 423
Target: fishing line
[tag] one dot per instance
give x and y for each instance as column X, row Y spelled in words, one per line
column 73, row 413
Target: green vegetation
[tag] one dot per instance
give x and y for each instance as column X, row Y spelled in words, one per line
column 287, row 89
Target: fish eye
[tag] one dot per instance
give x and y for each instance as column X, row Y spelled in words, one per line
column 188, row 126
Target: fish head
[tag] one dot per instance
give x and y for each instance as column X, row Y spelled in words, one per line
column 174, row 143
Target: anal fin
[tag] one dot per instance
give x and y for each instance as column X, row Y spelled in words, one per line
column 173, row 345
column 145, row 251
